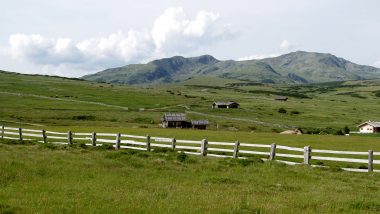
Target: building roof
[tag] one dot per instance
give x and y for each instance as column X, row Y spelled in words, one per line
column 281, row 98
column 199, row 122
column 371, row 123
column 225, row 103
column 174, row 117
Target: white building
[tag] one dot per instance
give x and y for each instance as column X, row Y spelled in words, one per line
column 369, row 127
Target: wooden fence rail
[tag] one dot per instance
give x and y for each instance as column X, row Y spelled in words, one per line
column 202, row 147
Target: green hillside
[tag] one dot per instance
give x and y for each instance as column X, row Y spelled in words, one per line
column 297, row 67
column 50, row 178
column 316, row 108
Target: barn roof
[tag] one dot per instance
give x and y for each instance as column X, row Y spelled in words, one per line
column 371, row 123
column 174, row 117
column 281, row 98
column 219, row 103
column 199, row 122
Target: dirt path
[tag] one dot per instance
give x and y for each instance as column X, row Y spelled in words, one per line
column 62, row 99
column 243, row 120
column 17, row 122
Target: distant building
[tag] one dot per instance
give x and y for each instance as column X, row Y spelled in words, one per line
column 281, row 98
column 295, row 131
column 199, row 124
column 369, row 127
column 175, row 120
column 229, row 104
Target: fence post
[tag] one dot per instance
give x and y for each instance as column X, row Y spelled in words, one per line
column 93, row 139
column 20, row 133
column 118, row 139
column 204, row 147
column 2, row 131
column 148, row 143
column 173, row 143
column 307, row 155
column 236, row 149
column 272, row 153
column 44, row 137
column 370, row 160
column 70, row 137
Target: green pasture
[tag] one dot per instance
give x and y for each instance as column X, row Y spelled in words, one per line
column 54, row 101
column 38, row 178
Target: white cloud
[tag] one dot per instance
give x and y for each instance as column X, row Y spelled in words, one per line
column 173, row 32
column 258, row 56
column 377, row 64
column 286, row 45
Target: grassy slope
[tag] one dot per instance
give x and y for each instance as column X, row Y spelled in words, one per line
column 36, row 178
column 59, row 108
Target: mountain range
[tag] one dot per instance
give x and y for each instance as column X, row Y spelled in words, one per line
column 293, row 68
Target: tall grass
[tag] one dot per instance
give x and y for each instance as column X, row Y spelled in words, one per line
column 38, row 179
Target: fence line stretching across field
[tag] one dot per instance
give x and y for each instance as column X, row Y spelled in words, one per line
column 202, row 148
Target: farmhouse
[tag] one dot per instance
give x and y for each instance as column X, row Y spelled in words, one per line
column 199, row 124
column 281, row 98
column 229, row 104
column 369, row 127
column 175, row 120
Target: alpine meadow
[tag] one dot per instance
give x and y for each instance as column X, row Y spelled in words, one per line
column 190, row 107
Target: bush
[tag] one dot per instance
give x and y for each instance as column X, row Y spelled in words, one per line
column 294, row 112
column 83, row 117
column 339, row 132
column 282, row 111
column 182, row 157
column 346, row 130
column 105, row 146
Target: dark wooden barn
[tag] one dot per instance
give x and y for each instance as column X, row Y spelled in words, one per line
column 281, row 98
column 199, row 124
column 229, row 104
column 175, row 120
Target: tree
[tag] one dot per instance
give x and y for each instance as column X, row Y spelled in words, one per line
column 282, row 111
column 346, row 130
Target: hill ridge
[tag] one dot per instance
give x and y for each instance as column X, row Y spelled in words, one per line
column 298, row 67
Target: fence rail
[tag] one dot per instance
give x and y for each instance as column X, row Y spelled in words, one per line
column 201, row 147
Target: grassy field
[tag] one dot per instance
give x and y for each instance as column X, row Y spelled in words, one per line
column 51, row 179
column 319, row 108
column 61, row 104
column 48, row 178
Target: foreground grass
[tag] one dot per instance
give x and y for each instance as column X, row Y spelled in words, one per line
column 47, row 179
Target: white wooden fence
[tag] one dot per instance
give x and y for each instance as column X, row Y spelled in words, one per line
column 293, row 155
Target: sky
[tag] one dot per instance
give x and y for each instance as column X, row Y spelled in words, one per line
column 73, row 38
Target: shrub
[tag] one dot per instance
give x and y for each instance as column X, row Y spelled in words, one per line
column 339, row 132
column 282, row 111
column 346, row 130
column 82, row 145
column 294, row 112
column 182, row 157
column 84, row 117
column 105, row 146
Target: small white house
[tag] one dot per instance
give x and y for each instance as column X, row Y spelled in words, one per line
column 369, row 127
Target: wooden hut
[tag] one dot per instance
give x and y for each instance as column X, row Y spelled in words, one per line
column 175, row 120
column 281, row 98
column 199, row 124
column 229, row 104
